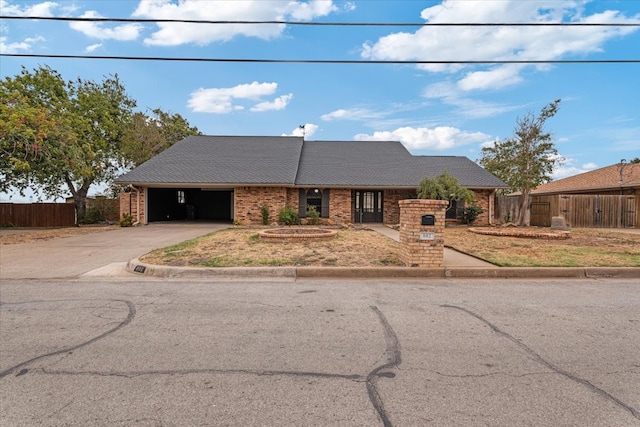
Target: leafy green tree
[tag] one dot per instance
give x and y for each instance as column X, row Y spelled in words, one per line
column 526, row 160
column 445, row 187
column 152, row 133
column 26, row 132
column 69, row 134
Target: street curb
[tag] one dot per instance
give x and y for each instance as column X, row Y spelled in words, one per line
column 135, row 266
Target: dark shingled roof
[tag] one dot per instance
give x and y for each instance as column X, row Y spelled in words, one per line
column 352, row 163
column 220, row 160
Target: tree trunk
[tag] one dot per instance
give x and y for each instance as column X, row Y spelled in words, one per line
column 79, row 198
column 80, row 202
column 523, row 214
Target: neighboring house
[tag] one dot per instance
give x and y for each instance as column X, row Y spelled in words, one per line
column 605, row 197
column 618, row 179
column 229, row 178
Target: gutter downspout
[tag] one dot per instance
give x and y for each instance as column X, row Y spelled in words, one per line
column 137, row 205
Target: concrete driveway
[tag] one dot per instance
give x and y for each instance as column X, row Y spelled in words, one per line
column 73, row 256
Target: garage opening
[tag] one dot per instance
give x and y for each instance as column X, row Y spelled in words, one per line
column 189, row 204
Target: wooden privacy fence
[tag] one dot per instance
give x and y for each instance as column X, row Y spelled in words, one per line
column 599, row 211
column 37, row 214
column 579, row 210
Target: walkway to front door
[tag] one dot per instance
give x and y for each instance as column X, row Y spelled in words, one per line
column 368, row 206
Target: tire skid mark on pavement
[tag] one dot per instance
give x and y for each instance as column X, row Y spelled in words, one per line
column 259, row 373
column 394, row 358
column 128, row 319
column 536, row 357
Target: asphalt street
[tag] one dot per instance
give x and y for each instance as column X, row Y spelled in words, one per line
column 475, row 352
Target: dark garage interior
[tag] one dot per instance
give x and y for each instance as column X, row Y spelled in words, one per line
column 190, row 204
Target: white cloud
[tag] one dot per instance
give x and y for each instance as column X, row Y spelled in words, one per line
column 499, row 43
column 16, row 47
column 174, row 34
column 306, row 11
column 306, row 130
column 280, row 103
column 93, row 47
column 97, row 30
column 567, row 167
column 352, row 114
column 451, row 94
column 224, row 100
column 37, row 9
column 422, row 138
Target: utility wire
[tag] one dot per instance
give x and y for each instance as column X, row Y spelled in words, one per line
column 333, row 24
column 324, row 61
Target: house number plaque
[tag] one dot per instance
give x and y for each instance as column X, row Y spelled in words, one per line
column 427, row 236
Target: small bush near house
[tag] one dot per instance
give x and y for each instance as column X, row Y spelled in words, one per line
column 126, row 220
column 471, row 213
column 264, row 211
column 313, row 216
column 288, row 216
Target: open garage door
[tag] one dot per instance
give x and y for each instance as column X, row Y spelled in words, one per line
column 180, row 204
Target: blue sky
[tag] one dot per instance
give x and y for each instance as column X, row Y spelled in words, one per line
column 432, row 110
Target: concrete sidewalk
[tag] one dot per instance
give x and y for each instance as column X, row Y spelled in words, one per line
column 452, row 258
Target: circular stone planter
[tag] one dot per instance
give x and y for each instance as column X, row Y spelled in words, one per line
column 296, row 234
column 530, row 233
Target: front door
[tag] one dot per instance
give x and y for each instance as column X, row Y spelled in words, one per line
column 367, row 206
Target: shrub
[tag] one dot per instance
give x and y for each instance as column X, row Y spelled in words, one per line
column 470, row 213
column 313, row 215
column 264, row 211
column 126, row 220
column 288, row 216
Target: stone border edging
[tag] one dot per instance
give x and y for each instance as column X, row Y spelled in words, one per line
column 136, row 267
column 515, row 232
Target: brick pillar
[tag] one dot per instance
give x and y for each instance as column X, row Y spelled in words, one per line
column 422, row 245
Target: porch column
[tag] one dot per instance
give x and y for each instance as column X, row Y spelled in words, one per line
column 422, row 232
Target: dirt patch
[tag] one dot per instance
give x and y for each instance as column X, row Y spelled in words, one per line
column 10, row 236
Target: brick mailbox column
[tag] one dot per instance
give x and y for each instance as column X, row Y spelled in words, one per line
column 422, row 232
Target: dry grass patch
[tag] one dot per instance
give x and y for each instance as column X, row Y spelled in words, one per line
column 11, row 236
column 585, row 248
column 241, row 247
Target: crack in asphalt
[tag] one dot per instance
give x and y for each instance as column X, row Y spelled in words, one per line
column 536, row 357
column 394, row 358
column 392, row 352
column 130, row 316
column 492, row 374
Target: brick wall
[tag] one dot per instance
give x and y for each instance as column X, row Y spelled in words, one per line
column 247, row 202
column 485, row 200
column 129, row 204
column 414, row 251
column 391, row 208
column 340, row 206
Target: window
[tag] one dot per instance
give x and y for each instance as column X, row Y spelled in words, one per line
column 315, row 197
column 314, row 200
column 455, row 209
column 181, row 197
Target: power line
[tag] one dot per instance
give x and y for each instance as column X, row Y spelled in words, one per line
column 325, row 61
column 332, row 24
